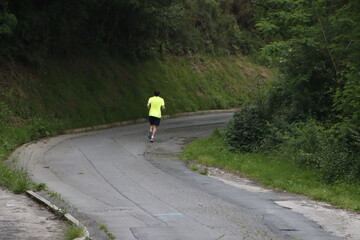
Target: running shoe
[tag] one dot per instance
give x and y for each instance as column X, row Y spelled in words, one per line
column 149, row 134
column 152, row 139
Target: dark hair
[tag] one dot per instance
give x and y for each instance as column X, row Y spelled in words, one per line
column 156, row 92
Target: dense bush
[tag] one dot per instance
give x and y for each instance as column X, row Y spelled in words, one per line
column 261, row 122
column 246, row 131
column 273, row 122
column 38, row 129
column 333, row 150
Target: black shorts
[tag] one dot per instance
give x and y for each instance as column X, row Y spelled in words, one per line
column 154, row 121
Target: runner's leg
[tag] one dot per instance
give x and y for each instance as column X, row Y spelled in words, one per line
column 150, row 132
column 153, row 131
column 154, row 128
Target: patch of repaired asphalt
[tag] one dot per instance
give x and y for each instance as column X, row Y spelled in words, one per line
column 341, row 223
column 22, row 218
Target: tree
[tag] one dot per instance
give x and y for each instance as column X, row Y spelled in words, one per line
column 315, row 46
column 8, row 20
column 38, row 29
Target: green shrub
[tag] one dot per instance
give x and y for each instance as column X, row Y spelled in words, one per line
column 342, row 158
column 5, row 145
column 246, row 131
column 276, row 133
column 5, row 113
column 305, row 139
column 333, row 150
column 38, row 129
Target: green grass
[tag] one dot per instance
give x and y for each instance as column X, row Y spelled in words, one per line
column 202, row 171
column 272, row 170
column 15, row 180
column 73, row 231
column 106, row 230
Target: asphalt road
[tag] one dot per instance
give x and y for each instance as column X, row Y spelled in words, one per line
column 138, row 189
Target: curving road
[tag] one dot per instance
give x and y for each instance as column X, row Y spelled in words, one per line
column 139, row 191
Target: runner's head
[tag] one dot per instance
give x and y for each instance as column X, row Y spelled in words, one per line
column 156, row 92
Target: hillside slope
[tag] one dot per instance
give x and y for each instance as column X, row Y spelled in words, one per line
column 92, row 91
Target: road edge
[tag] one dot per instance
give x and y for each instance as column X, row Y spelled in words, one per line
column 142, row 120
column 69, row 217
column 61, row 212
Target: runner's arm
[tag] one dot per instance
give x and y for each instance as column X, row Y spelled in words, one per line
column 163, row 105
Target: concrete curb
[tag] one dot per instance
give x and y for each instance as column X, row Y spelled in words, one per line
column 60, row 211
column 142, row 120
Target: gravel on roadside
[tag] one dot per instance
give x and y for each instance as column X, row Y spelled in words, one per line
column 25, row 219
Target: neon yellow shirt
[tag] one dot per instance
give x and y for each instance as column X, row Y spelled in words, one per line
column 155, row 106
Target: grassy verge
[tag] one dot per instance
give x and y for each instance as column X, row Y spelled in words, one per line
column 272, row 170
column 15, row 180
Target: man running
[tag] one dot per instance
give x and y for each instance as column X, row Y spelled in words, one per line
column 155, row 105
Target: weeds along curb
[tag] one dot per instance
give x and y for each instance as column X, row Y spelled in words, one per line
column 61, row 212
column 142, row 120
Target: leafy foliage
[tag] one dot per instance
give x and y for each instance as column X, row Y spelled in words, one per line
column 332, row 150
column 314, row 45
column 248, row 128
column 311, row 112
column 8, row 20
column 36, row 30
